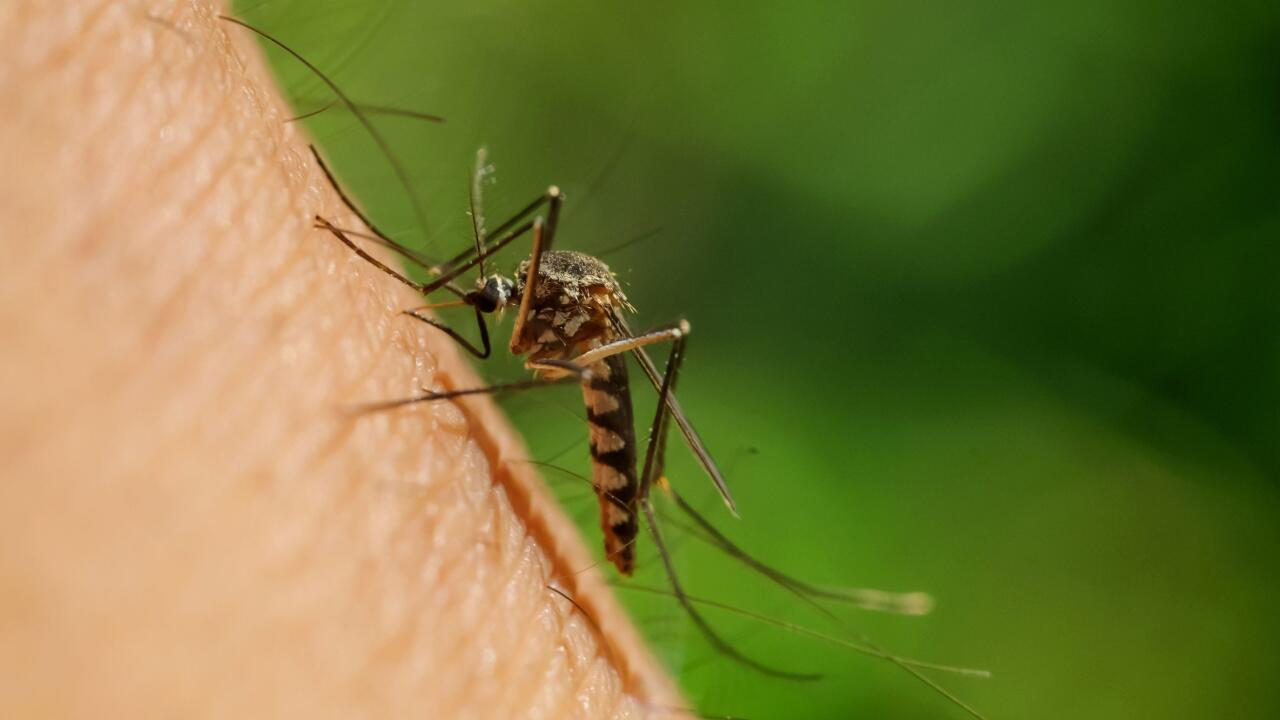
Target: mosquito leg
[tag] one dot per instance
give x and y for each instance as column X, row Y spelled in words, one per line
column 652, row 469
column 432, row 396
column 703, row 625
column 342, row 194
column 450, row 273
column 671, row 334
column 346, row 101
column 378, row 235
column 530, row 287
column 366, row 109
column 618, row 346
column 443, row 282
column 382, row 237
column 552, row 197
column 326, row 225
column 311, row 114
column 505, row 234
column 481, row 352
column 413, row 256
column 691, row 437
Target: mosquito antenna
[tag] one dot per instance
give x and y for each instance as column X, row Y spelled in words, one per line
column 476, row 200
column 378, row 139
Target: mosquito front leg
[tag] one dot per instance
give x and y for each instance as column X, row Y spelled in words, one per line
column 481, row 352
column 359, row 251
column 552, row 198
column 351, row 205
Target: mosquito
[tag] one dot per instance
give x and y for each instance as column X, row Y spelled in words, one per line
column 569, row 322
column 571, row 326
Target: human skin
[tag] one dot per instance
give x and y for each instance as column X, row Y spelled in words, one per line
column 190, row 524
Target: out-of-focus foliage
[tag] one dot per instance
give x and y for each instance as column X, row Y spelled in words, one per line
column 984, row 297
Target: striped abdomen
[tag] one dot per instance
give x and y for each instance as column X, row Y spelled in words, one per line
column 613, row 458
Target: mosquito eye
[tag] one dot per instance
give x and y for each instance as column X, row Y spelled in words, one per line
column 482, row 301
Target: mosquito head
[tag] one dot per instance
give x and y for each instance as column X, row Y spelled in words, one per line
column 492, row 293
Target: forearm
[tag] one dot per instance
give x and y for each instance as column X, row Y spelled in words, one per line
column 191, row 524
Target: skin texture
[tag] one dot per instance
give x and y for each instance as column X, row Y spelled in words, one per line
column 190, row 525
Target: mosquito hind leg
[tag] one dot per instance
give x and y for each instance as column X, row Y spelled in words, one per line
column 669, row 334
column 653, row 464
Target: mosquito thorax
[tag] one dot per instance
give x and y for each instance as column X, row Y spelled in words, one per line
column 567, row 277
column 492, row 293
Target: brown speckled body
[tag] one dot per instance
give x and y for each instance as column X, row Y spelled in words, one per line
column 572, row 310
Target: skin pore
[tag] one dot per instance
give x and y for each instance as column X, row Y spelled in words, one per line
column 190, row 525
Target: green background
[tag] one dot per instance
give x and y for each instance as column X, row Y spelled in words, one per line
column 984, row 301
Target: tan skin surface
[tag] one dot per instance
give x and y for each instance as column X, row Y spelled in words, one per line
column 190, row 526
